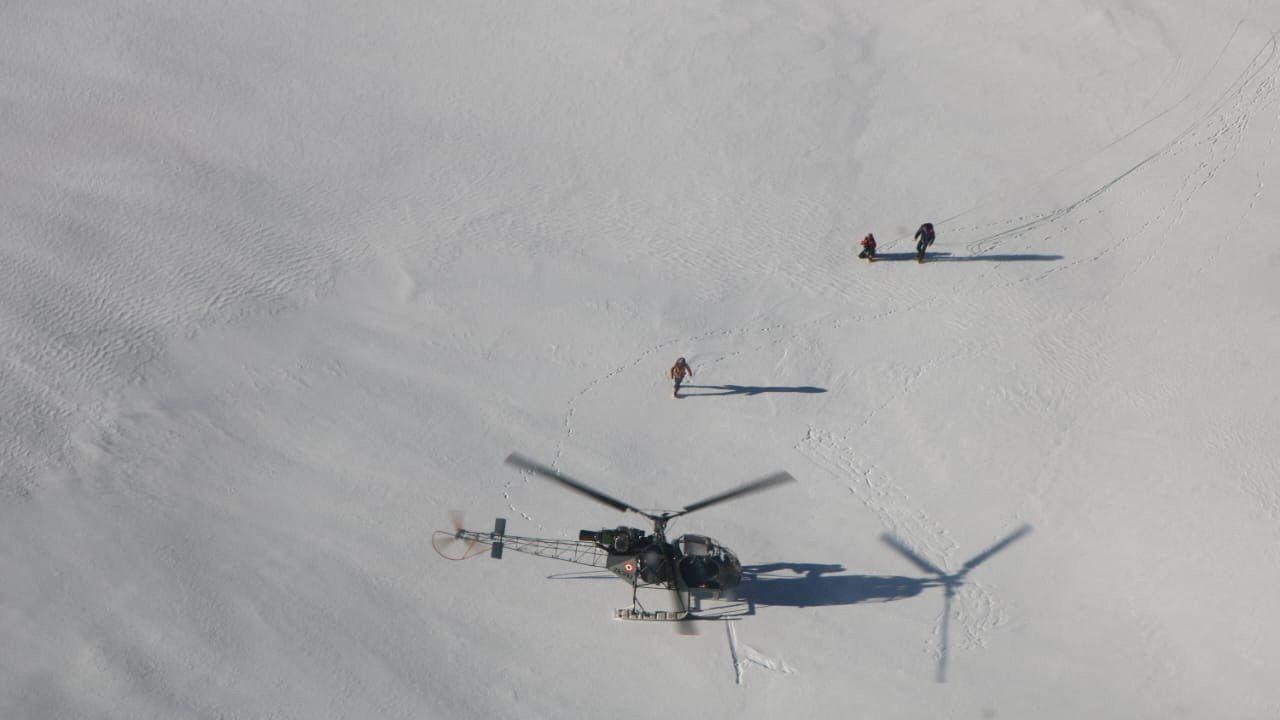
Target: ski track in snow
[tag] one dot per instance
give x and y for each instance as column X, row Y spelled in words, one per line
column 1262, row 61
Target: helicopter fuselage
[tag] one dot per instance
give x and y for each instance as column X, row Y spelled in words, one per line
column 692, row 562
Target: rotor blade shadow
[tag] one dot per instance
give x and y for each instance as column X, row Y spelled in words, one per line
column 1003, row 543
column 950, row 582
column 911, row 555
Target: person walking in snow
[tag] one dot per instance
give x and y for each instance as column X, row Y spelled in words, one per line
column 868, row 248
column 924, row 238
column 678, row 373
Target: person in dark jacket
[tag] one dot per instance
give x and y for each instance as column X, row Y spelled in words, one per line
column 924, row 238
column 868, row 248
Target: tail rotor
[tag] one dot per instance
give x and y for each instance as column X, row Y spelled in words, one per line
column 446, row 543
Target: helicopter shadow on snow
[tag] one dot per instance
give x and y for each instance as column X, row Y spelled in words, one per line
column 803, row 585
column 722, row 390
column 798, row 585
column 948, row 257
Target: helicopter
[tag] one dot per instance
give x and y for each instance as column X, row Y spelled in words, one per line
column 645, row 560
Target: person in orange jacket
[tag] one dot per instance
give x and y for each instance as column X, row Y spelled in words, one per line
column 868, row 248
column 678, row 373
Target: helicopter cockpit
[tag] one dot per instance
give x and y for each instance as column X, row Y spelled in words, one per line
column 707, row 564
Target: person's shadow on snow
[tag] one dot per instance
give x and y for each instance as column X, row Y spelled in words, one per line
column 932, row 256
column 721, row 390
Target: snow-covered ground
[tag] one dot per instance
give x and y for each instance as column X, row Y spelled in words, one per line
column 284, row 282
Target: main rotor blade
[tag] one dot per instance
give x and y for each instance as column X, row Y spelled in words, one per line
column 982, row 557
column 686, row 625
column 681, row 597
column 763, row 483
column 525, row 463
column 910, row 555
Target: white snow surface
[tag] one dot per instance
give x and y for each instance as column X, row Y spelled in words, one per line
column 284, row 282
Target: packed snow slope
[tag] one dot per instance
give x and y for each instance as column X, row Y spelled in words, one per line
column 284, row 282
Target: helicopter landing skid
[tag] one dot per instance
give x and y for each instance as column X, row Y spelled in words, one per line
column 651, row 615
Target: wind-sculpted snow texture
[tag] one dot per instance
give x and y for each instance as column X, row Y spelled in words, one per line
column 284, row 283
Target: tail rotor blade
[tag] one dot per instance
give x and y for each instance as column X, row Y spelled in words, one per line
column 444, row 542
column 444, row 545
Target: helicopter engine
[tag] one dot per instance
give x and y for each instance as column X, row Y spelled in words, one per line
column 633, row 554
column 653, row 566
column 618, row 541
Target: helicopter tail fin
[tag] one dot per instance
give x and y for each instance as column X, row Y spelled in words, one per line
column 499, row 529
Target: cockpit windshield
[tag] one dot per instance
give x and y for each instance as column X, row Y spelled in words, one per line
column 707, row 563
column 697, row 545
